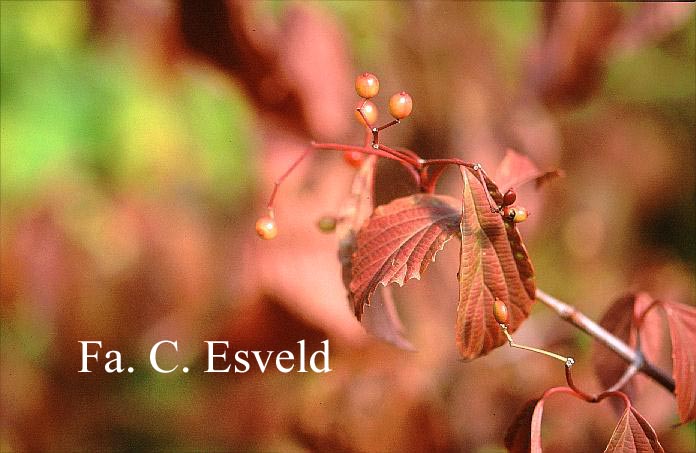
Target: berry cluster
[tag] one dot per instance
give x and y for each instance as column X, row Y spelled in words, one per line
column 400, row 106
column 425, row 172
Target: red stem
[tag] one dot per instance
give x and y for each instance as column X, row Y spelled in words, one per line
column 415, row 162
column 280, row 180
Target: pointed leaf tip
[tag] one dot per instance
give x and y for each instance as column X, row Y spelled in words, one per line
column 633, row 434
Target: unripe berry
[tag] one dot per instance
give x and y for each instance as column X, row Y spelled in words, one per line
column 369, row 109
column 500, row 312
column 266, row 228
column 353, row 158
column 515, row 214
column 327, row 224
column 367, row 85
column 509, row 197
column 400, row 105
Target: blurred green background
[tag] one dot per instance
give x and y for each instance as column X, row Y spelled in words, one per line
column 139, row 141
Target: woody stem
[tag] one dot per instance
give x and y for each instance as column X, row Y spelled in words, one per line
column 634, row 358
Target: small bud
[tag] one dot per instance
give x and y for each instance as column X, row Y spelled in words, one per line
column 327, row 224
column 500, row 312
column 521, row 215
column 516, row 214
column 509, row 197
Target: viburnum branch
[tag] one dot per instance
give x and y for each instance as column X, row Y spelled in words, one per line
column 359, row 149
column 414, row 161
column 571, row 315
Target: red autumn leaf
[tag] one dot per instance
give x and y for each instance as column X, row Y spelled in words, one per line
column 381, row 319
column 620, row 320
column 682, row 331
column 399, row 241
column 633, row 434
column 494, row 264
column 516, row 169
column 525, row 430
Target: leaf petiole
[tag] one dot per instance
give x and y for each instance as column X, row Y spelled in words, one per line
column 567, row 360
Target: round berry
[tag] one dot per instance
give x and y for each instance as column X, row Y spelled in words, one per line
column 400, row 105
column 369, row 109
column 521, row 214
column 367, row 85
column 353, row 158
column 266, row 228
column 509, row 197
column 516, row 214
column 500, row 312
column 327, row 224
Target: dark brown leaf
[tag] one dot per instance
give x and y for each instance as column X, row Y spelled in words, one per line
column 219, row 32
column 682, row 330
column 633, row 434
column 619, row 319
column 494, row 264
column 518, row 438
column 517, row 169
column 568, row 64
column 399, row 241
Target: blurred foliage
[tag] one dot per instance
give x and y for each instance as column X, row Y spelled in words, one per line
column 134, row 160
column 70, row 106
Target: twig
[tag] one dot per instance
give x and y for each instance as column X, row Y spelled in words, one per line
column 567, row 360
column 571, row 315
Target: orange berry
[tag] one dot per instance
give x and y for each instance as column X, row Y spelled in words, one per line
column 500, row 312
column 400, row 105
column 353, row 158
column 266, row 228
column 367, row 85
column 515, row 214
column 369, row 109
